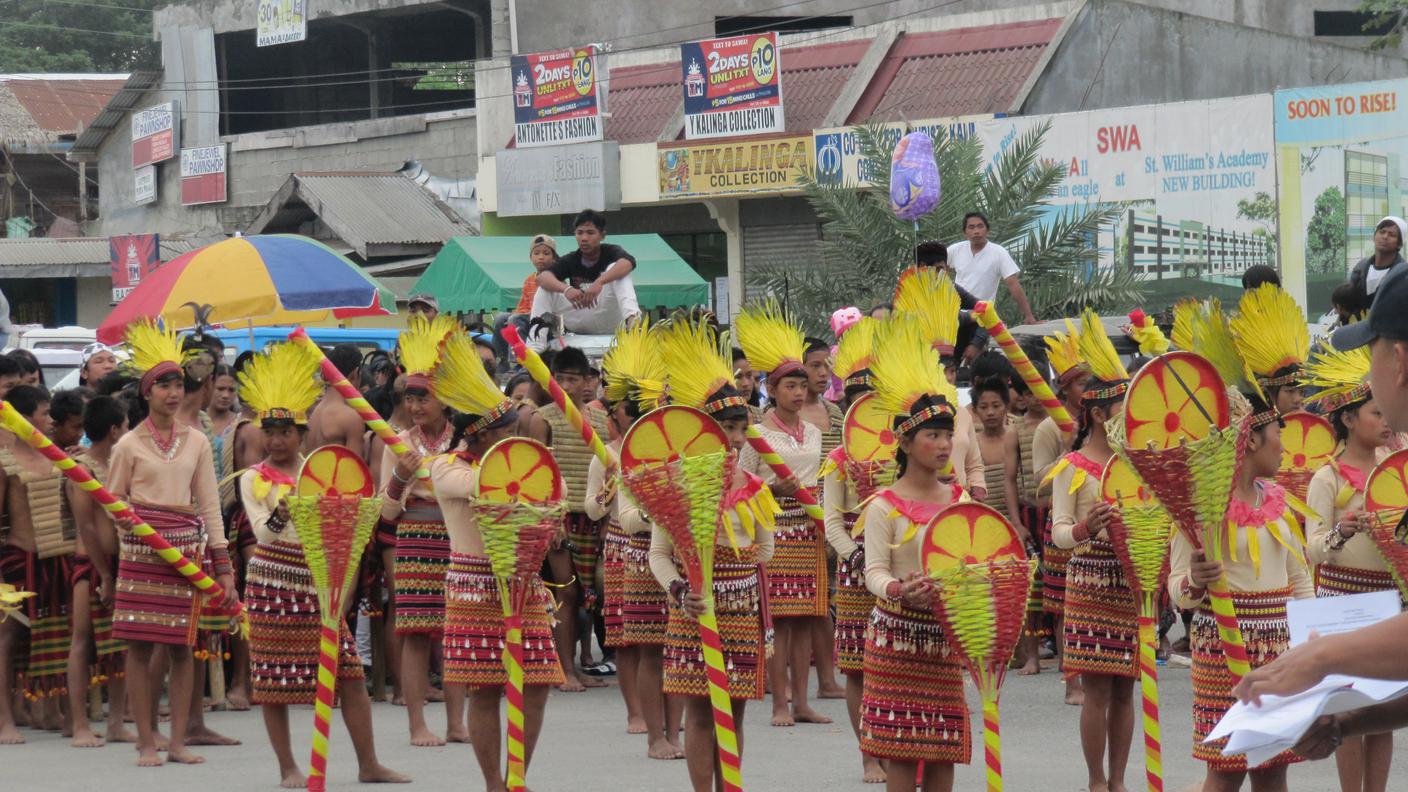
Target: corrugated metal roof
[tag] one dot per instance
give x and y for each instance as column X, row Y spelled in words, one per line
column 113, row 113
column 65, row 106
column 80, row 257
column 641, row 100
column 955, row 72
column 813, row 76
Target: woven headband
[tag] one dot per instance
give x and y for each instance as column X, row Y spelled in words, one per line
column 785, row 368
column 490, row 418
column 1339, row 401
column 419, row 381
column 932, row 411
column 1264, row 418
column 1289, row 378
column 160, row 370
column 860, row 378
column 1069, row 375
column 719, row 405
column 1109, row 392
column 282, row 414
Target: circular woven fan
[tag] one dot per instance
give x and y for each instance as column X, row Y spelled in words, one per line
column 1308, row 442
column 1120, row 486
column 1387, row 487
column 1164, row 399
column 334, row 470
column 965, row 534
column 866, row 434
column 669, row 433
column 519, row 470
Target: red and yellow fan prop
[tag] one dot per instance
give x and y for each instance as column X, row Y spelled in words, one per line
column 1307, row 444
column 870, row 447
column 519, row 502
column 1386, row 498
column 1139, row 531
column 675, row 462
column 982, row 578
column 334, row 514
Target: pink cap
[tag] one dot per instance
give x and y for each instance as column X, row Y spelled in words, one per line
column 842, row 320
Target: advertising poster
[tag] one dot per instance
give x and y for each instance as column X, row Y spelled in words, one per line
column 839, row 159
column 733, row 168
column 203, row 171
column 557, row 97
column 1341, row 151
column 732, row 86
column 144, row 185
column 1198, row 177
column 281, row 22
column 153, row 134
column 133, row 257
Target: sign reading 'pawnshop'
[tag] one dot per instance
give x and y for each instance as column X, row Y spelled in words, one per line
column 203, row 171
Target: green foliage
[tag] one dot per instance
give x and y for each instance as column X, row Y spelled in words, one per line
column 1389, row 16
column 866, row 247
column 72, row 36
column 1325, row 234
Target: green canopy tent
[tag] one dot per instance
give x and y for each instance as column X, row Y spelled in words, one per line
column 483, row 274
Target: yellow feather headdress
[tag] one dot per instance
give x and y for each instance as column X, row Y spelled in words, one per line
column 1063, row 350
column 1214, row 339
column 156, row 352
column 771, row 339
column 855, row 352
column 633, row 368
column 928, row 294
column 699, row 363
column 906, row 370
column 1183, row 313
column 1342, row 375
column 1271, row 334
column 460, row 381
column 420, row 342
column 1100, row 355
column 281, row 383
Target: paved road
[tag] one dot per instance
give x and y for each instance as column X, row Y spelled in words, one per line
column 585, row 749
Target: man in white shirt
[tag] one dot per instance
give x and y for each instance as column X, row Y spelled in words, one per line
column 980, row 265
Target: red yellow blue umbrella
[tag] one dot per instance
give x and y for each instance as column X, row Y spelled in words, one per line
column 259, row 280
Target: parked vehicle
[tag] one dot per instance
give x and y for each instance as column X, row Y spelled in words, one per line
column 364, row 338
column 36, row 338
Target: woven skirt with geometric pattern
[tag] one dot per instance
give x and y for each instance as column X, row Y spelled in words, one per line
column 1036, row 515
column 854, row 604
column 1053, row 573
column 110, row 654
column 613, row 568
column 284, row 626
column 422, row 556
column 46, row 666
column 738, row 610
column 474, row 639
column 1262, row 618
column 912, row 707
column 646, row 605
column 1333, row 581
column 1101, row 626
column 153, row 602
column 797, row 575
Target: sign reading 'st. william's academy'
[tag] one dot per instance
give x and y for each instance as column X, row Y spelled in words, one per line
column 732, row 86
column 558, row 96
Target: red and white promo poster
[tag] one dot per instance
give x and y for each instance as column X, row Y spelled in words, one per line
column 203, row 171
column 732, row 86
column 557, row 97
column 133, row 257
column 154, row 134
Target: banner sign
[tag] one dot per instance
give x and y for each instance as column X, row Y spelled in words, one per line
column 840, row 161
column 557, row 97
column 281, row 22
column 154, row 134
column 558, row 179
column 144, row 185
column 732, row 86
column 133, row 257
column 203, row 175
column 774, row 165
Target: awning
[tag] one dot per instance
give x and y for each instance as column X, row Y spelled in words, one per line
column 477, row 274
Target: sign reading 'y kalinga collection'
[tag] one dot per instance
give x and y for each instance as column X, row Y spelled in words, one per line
column 154, row 134
column 558, row 97
column 734, row 167
column 203, row 171
column 732, row 86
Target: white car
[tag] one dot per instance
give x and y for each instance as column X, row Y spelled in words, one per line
column 74, row 338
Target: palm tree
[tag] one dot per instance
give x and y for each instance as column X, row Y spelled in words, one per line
column 866, row 246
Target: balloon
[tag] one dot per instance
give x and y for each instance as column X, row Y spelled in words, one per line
column 914, row 177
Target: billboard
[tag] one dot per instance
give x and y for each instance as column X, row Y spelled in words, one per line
column 1198, row 179
column 839, row 159
column 1341, row 152
column 557, row 97
column 144, row 185
column 281, row 22
column 732, row 86
column 774, row 165
column 154, row 134
column 203, row 171
column 133, row 257
column 558, row 179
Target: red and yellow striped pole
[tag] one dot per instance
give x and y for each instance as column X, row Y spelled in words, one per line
column 986, row 314
column 725, row 730
column 354, row 399
column 513, row 691
column 540, row 374
column 781, row 470
column 23, row 429
column 322, row 704
column 1149, row 687
column 1224, row 613
column 992, row 743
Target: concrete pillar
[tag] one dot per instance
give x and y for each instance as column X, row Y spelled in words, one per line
column 725, row 212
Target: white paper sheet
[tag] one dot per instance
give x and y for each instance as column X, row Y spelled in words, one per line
column 1330, row 615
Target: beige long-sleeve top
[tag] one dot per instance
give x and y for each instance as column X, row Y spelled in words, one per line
column 966, row 456
column 138, row 473
column 417, row 488
column 1047, row 449
column 1323, row 497
column 838, row 498
column 886, row 558
column 455, row 481
column 258, row 510
column 1279, row 567
column 662, row 547
column 621, row 506
column 804, row 459
column 1069, row 508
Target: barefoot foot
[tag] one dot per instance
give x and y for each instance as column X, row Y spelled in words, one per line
column 635, row 725
column 874, row 771
column 458, row 735
column 808, row 715
column 118, row 733
column 10, row 735
column 85, row 737
column 237, row 701
column 782, row 718
column 148, row 757
column 293, row 778
column 664, row 749
column 180, row 755
column 435, row 694
column 424, row 738
column 1030, row 669
column 207, row 736
column 380, row 774
column 161, row 741
column 590, row 682
column 832, row 691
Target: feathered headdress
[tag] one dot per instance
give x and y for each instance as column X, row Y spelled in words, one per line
column 1183, row 313
column 1214, row 339
column 1146, row 334
column 420, row 347
column 460, row 381
column 700, row 365
column 1342, row 375
column 1272, row 335
column 1110, row 378
column 928, row 295
column 156, row 352
column 1063, row 350
column 633, row 368
column 909, row 382
column 855, row 352
column 281, row 383
column 771, row 340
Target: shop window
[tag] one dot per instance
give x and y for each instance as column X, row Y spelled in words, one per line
column 1350, row 23
column 706, row 253
column 415, row 60
column 735, row 25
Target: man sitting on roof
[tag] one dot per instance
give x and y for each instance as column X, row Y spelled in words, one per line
column 588, row 290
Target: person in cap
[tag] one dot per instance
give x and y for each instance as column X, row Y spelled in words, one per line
column 424, row 305
column 542, row 254
column 1377, row 651
column 589, row 290
column 98, row 360
column 1367, row 276
column 280, row 386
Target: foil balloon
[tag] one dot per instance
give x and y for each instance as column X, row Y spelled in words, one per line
column 914, row 177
